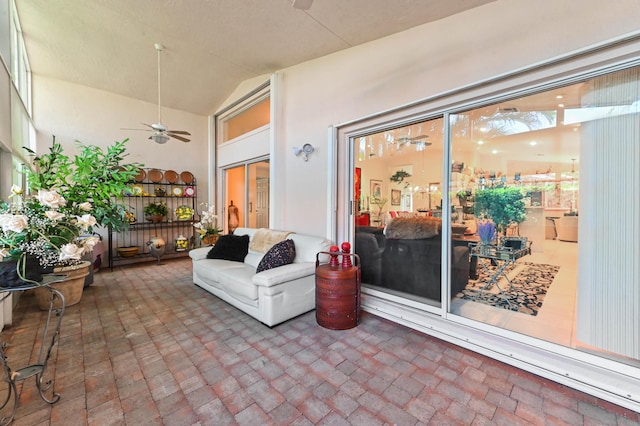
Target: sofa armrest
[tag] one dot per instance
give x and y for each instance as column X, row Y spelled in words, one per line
column 199, row 253
column 284, row 273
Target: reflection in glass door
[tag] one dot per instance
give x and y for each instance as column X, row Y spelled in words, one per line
column 246, row 196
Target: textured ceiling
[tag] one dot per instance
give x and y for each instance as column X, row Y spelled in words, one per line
column 210, row 45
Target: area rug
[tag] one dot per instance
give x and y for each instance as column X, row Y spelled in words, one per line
column 530, row 283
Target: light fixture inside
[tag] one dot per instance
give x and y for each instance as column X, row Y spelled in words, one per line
column 159, row 138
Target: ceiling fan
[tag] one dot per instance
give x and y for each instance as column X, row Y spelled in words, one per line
column 161, row 133
column 419, row 141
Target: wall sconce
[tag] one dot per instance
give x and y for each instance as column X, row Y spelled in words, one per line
column 306, row 150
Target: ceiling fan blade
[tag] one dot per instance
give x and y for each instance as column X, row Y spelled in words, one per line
column 180, row 138
column 137, row 130
column 179, row 132
column 418, row 137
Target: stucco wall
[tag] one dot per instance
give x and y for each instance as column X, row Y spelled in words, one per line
column 449, row 54
column 479, row 44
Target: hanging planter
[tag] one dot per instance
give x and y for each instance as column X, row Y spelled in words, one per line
column 400, row 176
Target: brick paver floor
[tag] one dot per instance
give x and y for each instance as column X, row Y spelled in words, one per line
column 147, row 346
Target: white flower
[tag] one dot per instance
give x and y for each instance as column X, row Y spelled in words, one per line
column 90, row 242
column 3, row 253
column 51, row 199
column 15, row 223
column 54, row 215
column 86, row 206
column 15, row 190
column 71, row 252
column 86, row 220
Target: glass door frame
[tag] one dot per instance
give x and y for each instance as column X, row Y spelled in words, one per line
column 246, row 204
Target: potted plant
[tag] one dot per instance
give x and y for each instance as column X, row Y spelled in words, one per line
column 208, row 225
column 156, row 211
column 52, row 224
column 503, row 205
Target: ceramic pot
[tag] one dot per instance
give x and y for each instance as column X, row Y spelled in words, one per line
column 9, row 275
column 71, row 288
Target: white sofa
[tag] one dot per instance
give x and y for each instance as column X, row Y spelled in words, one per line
column 271, row 296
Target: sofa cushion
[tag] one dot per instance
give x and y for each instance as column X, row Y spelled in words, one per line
column 236, row 282
column 307, row 247
column 264, row 239
column 280, row 254
column 230, row 247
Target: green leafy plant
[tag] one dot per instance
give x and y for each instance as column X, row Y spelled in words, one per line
column 97, row 176
column 53, row 221
column 503, row 205
column 399, row 176
column 158, row 208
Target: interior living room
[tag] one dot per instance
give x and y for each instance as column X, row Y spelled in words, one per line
column 486, row 176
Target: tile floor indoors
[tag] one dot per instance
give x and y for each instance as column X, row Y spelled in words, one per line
column 146, row 346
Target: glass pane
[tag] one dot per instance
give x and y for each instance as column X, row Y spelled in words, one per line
column 247, row 120
column 235, row 179
column 397, row 181
column 258, row 195
column 551, row 173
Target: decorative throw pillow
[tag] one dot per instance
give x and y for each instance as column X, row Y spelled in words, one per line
column 230, row 247
column 280, row 254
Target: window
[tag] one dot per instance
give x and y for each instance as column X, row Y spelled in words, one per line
column 246, row 120
column 20, row 70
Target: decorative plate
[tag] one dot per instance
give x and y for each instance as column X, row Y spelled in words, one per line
column 141, row 175
column 137, row 190
column 155, row 175
column 171, row 176
column 184, row 213
column 176, row 191
column 189, row 191
column 186, row 177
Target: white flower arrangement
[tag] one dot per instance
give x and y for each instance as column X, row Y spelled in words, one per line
column 46, row 227
column 208, row 224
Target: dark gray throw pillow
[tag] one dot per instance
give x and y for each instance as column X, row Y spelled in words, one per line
column 279, row 254
column 230, row 247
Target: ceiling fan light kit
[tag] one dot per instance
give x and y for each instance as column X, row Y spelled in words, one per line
column 161, row 133
column 159, row 138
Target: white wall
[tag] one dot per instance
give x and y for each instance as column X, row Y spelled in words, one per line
column 448, row 54
column 483, row 43
column 72, row 112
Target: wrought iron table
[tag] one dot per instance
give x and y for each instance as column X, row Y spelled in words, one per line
column 501, row 256
column 38, row 369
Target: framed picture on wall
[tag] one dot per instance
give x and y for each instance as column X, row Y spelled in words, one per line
column 375, row 188
column 395, row 197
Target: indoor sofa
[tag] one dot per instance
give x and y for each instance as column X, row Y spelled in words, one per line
column 273, row 295
column 412, row 258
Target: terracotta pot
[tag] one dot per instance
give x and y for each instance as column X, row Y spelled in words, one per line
column 71, row 288
column 155, row 218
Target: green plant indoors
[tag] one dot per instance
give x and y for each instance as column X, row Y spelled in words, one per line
column 503, row 205
column 158, row 208
column 93, row 174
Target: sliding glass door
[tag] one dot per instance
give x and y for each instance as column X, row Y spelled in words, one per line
column 558, row 172
column 246, row 195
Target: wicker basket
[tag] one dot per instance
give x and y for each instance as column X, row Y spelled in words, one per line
column 210, row 239
column 71, row 288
